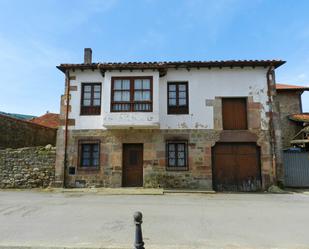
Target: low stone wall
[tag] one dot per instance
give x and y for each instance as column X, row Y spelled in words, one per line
column 31, row 167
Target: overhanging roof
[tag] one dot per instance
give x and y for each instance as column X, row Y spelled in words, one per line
column 286, row 87
column 302, row 117
column 171, row 64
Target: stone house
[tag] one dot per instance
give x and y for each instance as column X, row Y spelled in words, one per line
column 184, row 124
column 290, row 106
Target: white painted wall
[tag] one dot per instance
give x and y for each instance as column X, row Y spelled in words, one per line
column 131, row 119
column 84, row 122
column 115, row 119
column 207, row 84
column 203, row 84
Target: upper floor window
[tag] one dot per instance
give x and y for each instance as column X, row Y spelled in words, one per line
column 177, row 98
column 131, row 94
column 234, row 113
column 91, row 99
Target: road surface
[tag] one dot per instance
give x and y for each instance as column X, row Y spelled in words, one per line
column 91, row 220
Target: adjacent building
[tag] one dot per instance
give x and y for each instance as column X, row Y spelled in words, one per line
column 292, row 118
column 48, row 119
column 18, row 132
column 184, row 124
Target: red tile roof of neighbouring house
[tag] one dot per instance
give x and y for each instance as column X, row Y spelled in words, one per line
column 303, row 117
column 171, row 64
column 51, row 120
column 285, row 87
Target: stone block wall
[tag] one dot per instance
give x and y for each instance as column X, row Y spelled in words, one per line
column 16, row 133
column 289, row 103
column 109, row 174
column 155, row 174
column 30, row 167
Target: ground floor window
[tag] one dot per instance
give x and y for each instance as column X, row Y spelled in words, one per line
column 89, row 154
column 177, row 155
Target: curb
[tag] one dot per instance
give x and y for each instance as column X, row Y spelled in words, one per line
column 109, row 191
column 187, row 191
column 59, row 247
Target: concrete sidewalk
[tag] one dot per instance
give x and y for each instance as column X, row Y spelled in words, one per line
column 108, row 191
column 37, row 219
column 128, row 191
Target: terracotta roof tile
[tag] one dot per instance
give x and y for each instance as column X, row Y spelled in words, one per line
column 51, row 120
column 303, row 117
column 291, row 87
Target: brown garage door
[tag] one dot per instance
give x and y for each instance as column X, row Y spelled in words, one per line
column 236, row 167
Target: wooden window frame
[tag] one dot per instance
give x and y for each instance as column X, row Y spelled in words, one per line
column 131, row 102
column 88, row 168
column 92, row 109
column 178, row 109
column 246, row 109
column 177, row 168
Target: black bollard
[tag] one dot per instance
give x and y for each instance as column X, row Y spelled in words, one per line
column 139, row 243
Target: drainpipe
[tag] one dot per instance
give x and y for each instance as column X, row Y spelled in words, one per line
column 269, row 76
column 67, row 99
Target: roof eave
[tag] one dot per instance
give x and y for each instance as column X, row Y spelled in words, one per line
column 293, row 89
column 166, row 65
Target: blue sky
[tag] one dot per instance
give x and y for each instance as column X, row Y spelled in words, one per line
column 37, row 35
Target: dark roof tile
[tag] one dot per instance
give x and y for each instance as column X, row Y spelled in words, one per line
column 172, row 64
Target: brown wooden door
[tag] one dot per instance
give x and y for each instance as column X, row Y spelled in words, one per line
column 236, row 167
column 132, row 175
column 234, row 113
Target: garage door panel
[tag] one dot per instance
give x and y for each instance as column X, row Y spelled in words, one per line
column 236, row 166
column 246, row 168
column 245, row 149
column 225, row 149
column 229, row 168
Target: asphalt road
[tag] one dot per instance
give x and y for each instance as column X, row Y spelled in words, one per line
column 170, row 221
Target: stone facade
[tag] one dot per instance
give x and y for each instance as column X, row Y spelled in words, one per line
column 31, row 167
column 289, row 103
column 155, row 174
column 200, row 143
column 16, row 133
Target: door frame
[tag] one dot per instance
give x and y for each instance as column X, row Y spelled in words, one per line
column 123, row 168
column 259, row 157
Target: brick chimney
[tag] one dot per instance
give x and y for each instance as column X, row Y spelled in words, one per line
column 87, row 56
